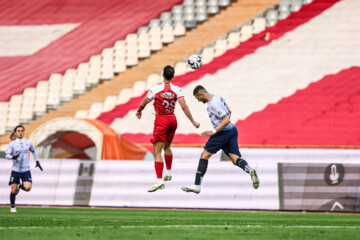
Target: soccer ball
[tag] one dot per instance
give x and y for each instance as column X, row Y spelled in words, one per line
column 194, row 61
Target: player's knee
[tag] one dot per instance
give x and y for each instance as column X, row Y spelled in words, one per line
column 27, row 189
column 13, row 190
column 157, row 152
column 205, row 155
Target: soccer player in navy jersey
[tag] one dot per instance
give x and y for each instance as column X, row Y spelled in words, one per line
column 223, row 136
column 165, row 96
column 18, row 152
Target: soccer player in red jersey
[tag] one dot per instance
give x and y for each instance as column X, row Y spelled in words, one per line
column 165, row 96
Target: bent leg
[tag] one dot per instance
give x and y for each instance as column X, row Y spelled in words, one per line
column 27, row 186
column 240, row 162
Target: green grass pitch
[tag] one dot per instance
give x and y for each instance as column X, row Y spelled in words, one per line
column 74, row 223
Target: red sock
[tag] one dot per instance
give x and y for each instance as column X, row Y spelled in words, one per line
column 168, row 161
column 159, row 169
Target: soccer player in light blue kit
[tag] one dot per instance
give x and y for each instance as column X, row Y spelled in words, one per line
column 223, row 136
column 18, row 152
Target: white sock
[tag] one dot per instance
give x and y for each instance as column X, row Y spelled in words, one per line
column 168, row 171
column 159, row 180
column 248, row 169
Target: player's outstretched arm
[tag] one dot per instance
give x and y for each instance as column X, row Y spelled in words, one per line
column 187, row 112
column 141, row 107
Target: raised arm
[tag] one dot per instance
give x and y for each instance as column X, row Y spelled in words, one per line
column 141, row 107
column 187, row 112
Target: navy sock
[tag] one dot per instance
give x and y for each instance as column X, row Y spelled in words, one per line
column 203, row 163
column 12, row 199
column 243, row 164
column 22, row 187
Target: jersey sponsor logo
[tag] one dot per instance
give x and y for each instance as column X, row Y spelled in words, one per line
column 167, row 95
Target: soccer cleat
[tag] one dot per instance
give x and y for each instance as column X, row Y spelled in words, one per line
column 13, row 209
column 17, row 189
column 254, row 178
column 192, row 188
column 156, row 187
column 167, row 177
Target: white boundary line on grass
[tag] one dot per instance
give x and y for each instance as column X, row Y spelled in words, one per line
column 177, row 226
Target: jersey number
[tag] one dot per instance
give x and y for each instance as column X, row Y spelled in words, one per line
column 169, row 106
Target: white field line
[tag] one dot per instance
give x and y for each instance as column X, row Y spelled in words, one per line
column 178, row 226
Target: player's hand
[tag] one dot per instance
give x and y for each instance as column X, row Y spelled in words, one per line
column 16, row 157
column 138, row 114
column 38, row 165
column 196, row 124
column 206, row 134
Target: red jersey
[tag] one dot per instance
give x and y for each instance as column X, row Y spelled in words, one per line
column 165, row 95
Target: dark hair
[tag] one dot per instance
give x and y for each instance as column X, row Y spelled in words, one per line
column 198, row 88
column 168, row 72
column 12, row 135
column 18, row 127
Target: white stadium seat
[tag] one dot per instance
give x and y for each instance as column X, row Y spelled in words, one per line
column 138, row 88
column 233, row 39
column 107, row 72
column 220, row 47
column 207, row 54
column 4, row 146
column 181, row 68
column 119, row 65
column 124, row 95
column 41, row 98
column 107, row 52
column 152, row 80
column 95, row 110
column 83, row 69
column 246, row 33
column 79, row 86
column 110, row 103
column 259, row 25
column 131, row 58
column 167, row 35
column 81, row 114
column 179, row 30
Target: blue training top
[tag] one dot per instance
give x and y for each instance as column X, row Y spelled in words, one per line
column 22, row 146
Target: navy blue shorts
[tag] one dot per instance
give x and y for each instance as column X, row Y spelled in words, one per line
column 225, row 140
column 16, row 176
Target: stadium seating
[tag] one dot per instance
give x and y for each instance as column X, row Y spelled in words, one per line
column 102, row 67
column 111, row 61
column 219, row 46
column 276, row 106
column 92, row 78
